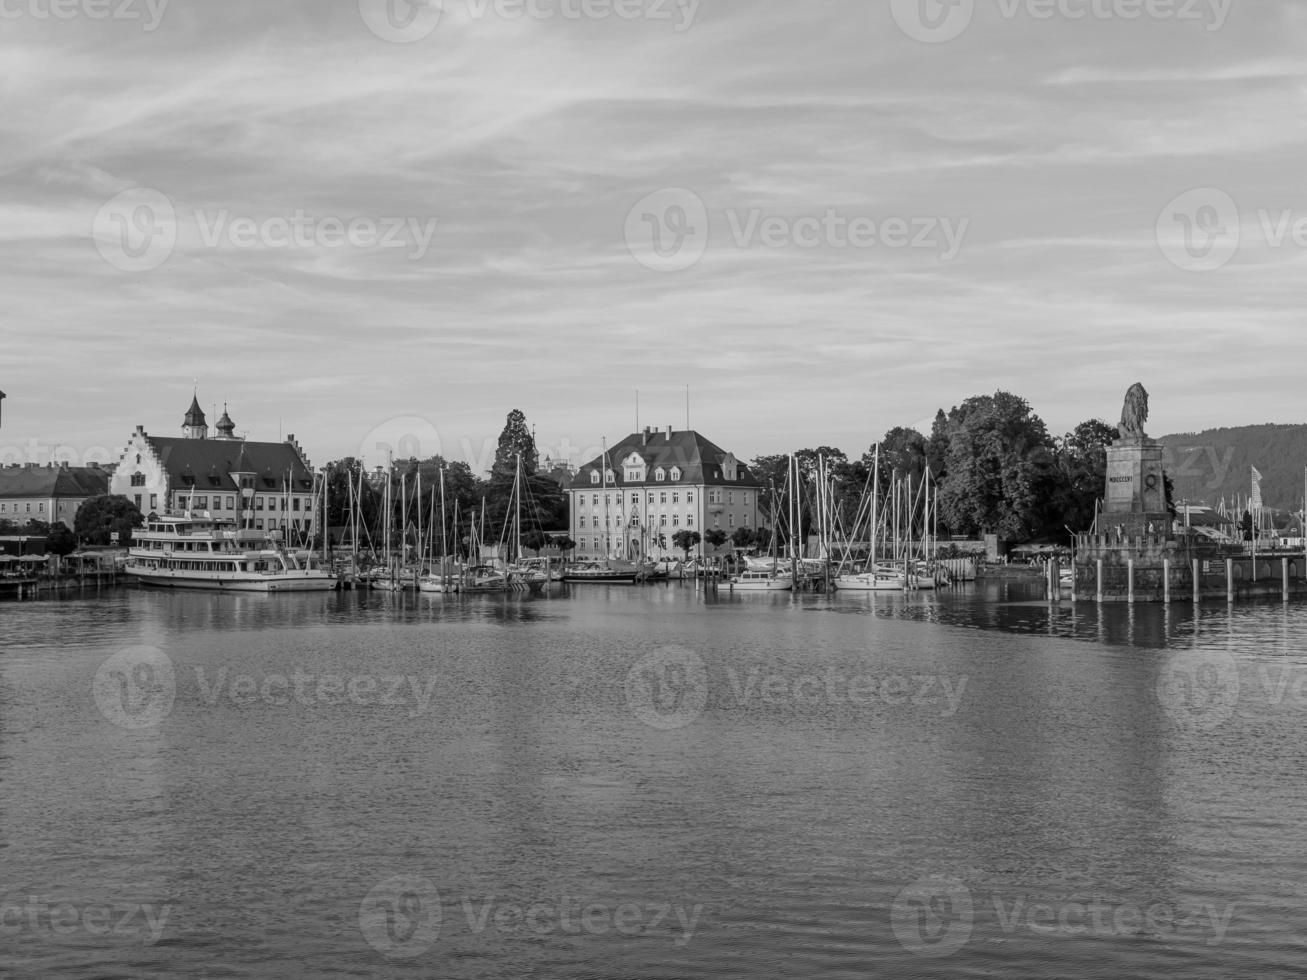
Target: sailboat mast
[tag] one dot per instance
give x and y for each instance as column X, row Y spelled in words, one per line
column 875, row 512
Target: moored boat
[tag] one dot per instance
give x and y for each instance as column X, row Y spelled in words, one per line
column 772, row 579
column 191, row 552
column 612, row 573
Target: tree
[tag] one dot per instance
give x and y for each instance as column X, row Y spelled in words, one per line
column 1001, row 468
column 565, row 544
column 716, row 537
column 516, row 440
column 1246, row 526
column 536, row 541
column 101, row 516
column 60, row 541
column 686, row 541
column 1082, row 459
column 744, row 538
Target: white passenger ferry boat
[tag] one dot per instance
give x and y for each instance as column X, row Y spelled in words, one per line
column 206, row 553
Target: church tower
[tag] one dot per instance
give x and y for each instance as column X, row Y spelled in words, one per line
column 194, row 425
column 226, row 427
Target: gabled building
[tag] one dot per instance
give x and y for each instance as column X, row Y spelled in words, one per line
column 630, row 502
column 51, row 493
column 261, row 485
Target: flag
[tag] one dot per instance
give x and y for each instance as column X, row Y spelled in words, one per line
column 1257, row 490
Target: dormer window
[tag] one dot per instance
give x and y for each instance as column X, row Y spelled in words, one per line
column 612, row 478
column 660, row 475
column 594, row 478
column 676, row 473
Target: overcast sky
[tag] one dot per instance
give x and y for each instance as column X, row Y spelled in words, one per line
column 356, row 221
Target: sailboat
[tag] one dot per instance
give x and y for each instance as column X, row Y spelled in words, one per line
column 441, row 583
column 873, row 577
column 766, row 575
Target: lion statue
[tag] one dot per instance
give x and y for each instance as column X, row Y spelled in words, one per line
column 1134, row 414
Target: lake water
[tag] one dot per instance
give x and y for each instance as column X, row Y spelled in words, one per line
column 650, row 782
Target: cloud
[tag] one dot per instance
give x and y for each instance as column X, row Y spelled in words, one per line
column 530, row 140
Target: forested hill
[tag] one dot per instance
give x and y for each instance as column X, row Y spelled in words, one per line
column 1207, row 466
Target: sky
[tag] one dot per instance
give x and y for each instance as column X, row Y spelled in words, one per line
column 372, row 224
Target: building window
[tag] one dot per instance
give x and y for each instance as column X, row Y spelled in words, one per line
column 258, row 525
column 258, row 503
column 202, row 503
column 660, row 475
column 154, row 501
column 746, row 520
column 676, row 498
column 594, row 478
column 138, row 479
column 689, row 520
column 714, row 496
column 580, row 522
column 676, row 473
column 651, row 500
column 295, row 504
column 731, row 519
column 662, row 498
column 231, row 503
column 596, row 500
column 689, row 497
column 137, row 498
column 730, row 497
column 662, row 520
column 635, row 500
column 635, row 521
column 676, row 520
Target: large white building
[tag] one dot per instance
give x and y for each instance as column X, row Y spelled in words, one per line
column 261, row 485
column 631, row 502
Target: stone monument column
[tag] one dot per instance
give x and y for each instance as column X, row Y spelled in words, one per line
column 1135, row 495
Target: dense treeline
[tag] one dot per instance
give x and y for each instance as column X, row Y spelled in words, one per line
column 996, row 467
column 544, row 503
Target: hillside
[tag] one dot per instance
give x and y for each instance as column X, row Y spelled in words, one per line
column 1207, row 466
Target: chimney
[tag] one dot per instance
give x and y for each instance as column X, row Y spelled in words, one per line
column 669, row 433
column 647, row 430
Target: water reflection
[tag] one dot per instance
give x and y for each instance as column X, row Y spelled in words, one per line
column 1055, row 770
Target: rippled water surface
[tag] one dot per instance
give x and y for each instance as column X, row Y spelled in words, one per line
column 650, row 782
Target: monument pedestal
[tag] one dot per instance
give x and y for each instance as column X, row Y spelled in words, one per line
column 1135, row 482
column 1135, row 546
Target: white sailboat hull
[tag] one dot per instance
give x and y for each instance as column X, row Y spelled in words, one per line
column 309, row 580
